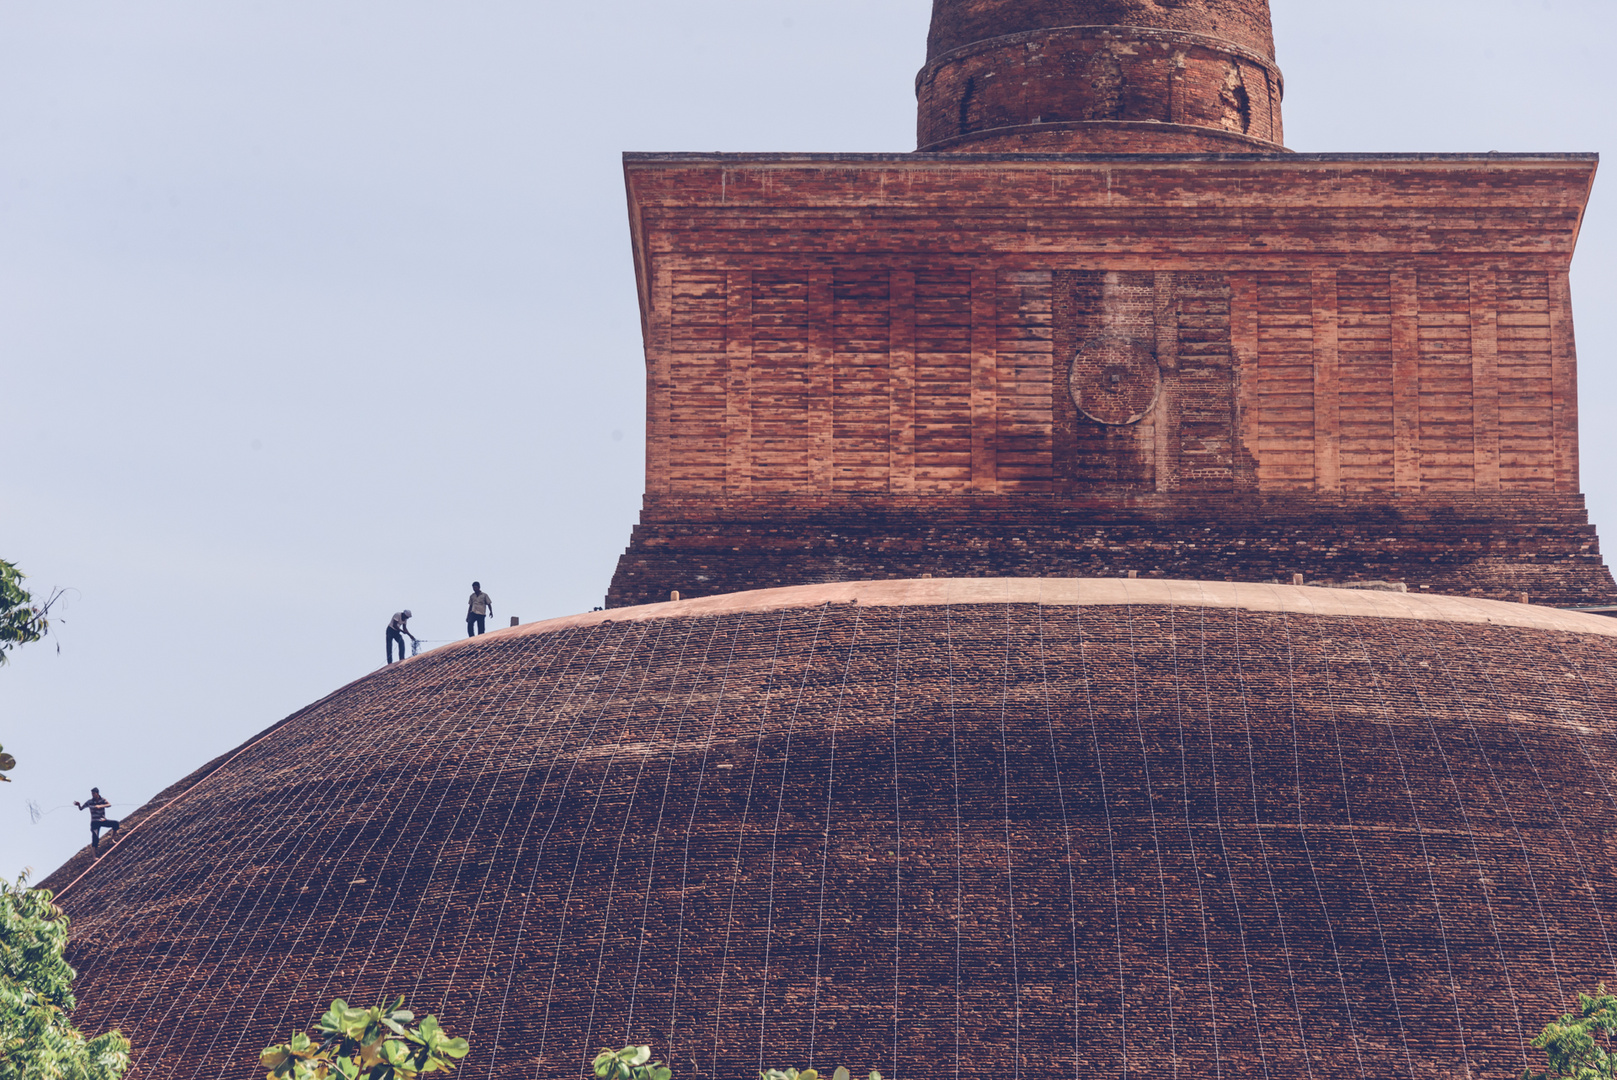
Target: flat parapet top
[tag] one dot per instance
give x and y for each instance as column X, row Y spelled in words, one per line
column 1294, row 160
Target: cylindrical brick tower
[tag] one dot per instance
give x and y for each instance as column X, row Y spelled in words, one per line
column 1100, row 76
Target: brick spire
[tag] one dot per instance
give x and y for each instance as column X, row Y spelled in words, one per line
column 1100, row 76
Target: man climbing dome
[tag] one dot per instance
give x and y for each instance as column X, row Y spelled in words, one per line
column 478, row 608
column 398, row 628
column 98, row 817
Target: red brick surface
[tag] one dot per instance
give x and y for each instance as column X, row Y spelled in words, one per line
column 1003, row 840
column 958, row 23
column 1364, row 368
column 1175, row 93
column 1497, row 547
column 1110, row 76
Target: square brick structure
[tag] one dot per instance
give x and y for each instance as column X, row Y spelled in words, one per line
column 1242, row 364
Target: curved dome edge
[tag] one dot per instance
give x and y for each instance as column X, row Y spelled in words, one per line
column 1098, row 592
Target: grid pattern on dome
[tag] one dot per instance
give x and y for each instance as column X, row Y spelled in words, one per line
column 1010, row 839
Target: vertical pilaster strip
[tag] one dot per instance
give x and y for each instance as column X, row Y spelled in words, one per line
column 1563, row 383
column 1327, row 385
column 1244, row 365
column 1405, row 381
column 1166, row 418
column 1485, row 378
column 738, row 384
column 821, row 386
column 660, row 388
column 984, row 381
column 901, row 382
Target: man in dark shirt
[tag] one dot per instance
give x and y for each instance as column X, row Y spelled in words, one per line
column 98, row 817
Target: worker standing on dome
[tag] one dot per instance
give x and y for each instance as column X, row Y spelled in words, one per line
column 478, row 608
column 398, row 628
column 98, row 817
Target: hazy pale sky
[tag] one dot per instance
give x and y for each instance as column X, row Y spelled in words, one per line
column 310, row 311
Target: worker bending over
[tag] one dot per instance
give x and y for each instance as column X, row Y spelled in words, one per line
column 398, row 628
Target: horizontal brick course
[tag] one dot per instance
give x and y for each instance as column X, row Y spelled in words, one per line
column 1497, row 547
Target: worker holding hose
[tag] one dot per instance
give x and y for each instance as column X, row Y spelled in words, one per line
column 398, row 628
column 98, row 817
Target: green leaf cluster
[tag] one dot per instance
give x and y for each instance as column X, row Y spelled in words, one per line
column 634, row 1063
column 365, row 1044
column 22, row 620
column 37, row 1038
column 1578, row 1045
column 630, row 1063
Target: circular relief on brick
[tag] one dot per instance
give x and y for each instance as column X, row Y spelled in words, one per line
column 1114, row 379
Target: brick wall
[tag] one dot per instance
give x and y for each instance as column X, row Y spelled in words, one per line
column 959, row 23
column 819, row 382
column 1089, row 88
column 1498, row 547
column 1388, row 337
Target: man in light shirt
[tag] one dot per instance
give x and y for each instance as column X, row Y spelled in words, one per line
column 478, row 608
column 397, row 628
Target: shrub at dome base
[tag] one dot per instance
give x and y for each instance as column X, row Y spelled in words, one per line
column 37, row 1038
column 630, row 1063
column 1571, row 1043
column 365, row 1044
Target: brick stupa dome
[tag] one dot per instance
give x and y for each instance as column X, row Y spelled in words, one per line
column 978, row 828
column 989, row 816
column 1100, row 76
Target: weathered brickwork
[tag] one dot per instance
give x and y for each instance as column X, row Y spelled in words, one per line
column 959, row 23
column 1499, row 546
column 1004, row 838
column 1387, row 337
column 1100, row 76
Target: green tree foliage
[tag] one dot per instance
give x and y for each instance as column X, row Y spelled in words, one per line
column 1579, row 1044
column 634, row 1063
column 37, row 1038
column 365, row 1044
column 22, row 619
column 630, row 1063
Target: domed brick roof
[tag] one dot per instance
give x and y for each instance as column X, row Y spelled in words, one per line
column 992, row 827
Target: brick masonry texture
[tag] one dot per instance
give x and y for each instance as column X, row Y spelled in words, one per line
column 1117, row 76
column 1075, row 84
column 1498, row 548
column 960, row 23
column 998, row 837
column 1352, row 366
